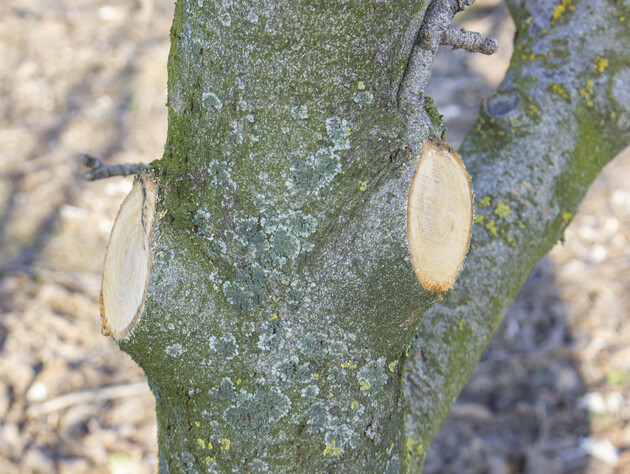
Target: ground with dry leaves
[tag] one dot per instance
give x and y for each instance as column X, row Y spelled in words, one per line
column 552, row 393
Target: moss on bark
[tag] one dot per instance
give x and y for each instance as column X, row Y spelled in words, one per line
column 281, row 308
column 538, row 144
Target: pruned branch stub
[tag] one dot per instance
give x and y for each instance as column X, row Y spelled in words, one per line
column 127, row 264
column 439, row 216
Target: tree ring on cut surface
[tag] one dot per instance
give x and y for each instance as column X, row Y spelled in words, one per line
column 128, row 260
column 439, row 216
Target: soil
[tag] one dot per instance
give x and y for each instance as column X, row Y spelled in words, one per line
column 551, row 394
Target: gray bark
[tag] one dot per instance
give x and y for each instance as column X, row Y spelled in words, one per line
column 561, row 113
column 282, row 313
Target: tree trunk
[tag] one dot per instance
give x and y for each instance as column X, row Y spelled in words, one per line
column 280, row 313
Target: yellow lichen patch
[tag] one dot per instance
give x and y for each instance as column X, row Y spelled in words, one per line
column 561, row 9
column 348, row 365
column 363, row 186
column 419, row 448
column 587, row 91
column 273, row 317
column 410, row 443
column 485, row 202
column 354, row 405
column 238, row 381
column 201, row 443
column 560, row 90
column 361, row 85
column 225, row 444
column 333, row 450
column 600, row 64
column 589, row 86
column 210, row 459
column 502, row 210
column 363, row 385
column 330, row 395
column 392, row 366
column 478, row 219
column 491, row 226
column 566, row 216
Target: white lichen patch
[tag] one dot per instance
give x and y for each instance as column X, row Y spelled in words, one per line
column 225, row 19
column 342, row 434
column 311, row 175
column 252, row 17
column 318, row 418
column 211, row 100
column 235, row 136
column 285, row 369
column 620, row 91
column 226, row 346
column 300, row 112
column 339, row 132
column 364, row 98
column 175, row 350
column 310, row 391
column 254, row 413
column 372, row 375
column 176, row 98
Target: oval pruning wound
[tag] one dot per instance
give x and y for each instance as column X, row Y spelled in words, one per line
column 128, row 260
column 439, row 216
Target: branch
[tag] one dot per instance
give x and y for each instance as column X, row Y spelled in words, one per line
column 470, row 41
column 536, row 147
column 90, row 395
column 434, row 31
column 100, row 171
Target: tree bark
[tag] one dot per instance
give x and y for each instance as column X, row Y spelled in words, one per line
column 561, row 113
column 282, row 307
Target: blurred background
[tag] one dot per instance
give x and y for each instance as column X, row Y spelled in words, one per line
column 551, row 395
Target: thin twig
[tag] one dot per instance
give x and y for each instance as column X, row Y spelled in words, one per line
column 471, row 41
column 88, row 396
column 100, row 171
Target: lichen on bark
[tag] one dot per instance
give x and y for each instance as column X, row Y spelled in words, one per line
column 282, row 303
column 278, row 327
column 537, row 145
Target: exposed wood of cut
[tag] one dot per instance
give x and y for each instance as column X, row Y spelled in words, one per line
column 128, row 260
column 439, row 216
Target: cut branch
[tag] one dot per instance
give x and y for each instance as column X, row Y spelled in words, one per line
column 128, row 260
column 439, row 216
column 100, row 171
